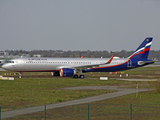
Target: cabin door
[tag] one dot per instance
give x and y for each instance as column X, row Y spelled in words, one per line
column 129, row 63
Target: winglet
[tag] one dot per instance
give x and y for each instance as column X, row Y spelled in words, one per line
column 110, row 59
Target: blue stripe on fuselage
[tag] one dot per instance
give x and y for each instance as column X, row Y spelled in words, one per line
column 112, row 68
column 129, row 64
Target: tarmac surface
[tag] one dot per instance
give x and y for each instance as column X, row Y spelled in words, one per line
column 1, row 69
column 120, row 92
column 136, row 79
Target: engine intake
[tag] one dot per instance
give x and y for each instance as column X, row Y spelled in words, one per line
column 67, row 72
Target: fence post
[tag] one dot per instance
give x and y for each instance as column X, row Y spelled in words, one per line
column 130, row 111
column 45, row 113
column 88, row 111
column 0, row 112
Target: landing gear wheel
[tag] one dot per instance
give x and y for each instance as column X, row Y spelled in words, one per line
column 75, row 76
column 20, row 75
column 81, row 76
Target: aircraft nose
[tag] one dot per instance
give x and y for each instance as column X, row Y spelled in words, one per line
column 6, row 67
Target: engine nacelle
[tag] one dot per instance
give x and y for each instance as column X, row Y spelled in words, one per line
column 55, row 73
column 67, row 72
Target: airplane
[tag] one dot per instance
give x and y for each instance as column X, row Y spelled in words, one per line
column 70, row 67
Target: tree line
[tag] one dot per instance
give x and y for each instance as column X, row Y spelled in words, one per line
column 87, row 54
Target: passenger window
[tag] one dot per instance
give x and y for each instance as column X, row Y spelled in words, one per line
column 10, row 61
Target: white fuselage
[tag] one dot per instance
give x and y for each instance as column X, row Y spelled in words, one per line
column 55, row 64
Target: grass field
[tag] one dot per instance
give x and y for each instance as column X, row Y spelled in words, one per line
column 32, row 92
column 40, row 88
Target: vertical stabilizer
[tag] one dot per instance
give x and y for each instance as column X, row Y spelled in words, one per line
column 143, row 50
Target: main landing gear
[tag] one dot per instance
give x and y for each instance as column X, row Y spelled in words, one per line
column 76, row 76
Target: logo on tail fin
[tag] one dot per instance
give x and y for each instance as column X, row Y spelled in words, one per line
column 143, row 50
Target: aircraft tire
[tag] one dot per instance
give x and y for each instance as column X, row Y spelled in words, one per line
column 75, row 76
column 81, row 76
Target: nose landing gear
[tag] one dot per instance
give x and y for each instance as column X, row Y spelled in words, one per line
column 20, row 75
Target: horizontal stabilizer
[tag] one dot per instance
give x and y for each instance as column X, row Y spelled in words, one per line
column 144, row 62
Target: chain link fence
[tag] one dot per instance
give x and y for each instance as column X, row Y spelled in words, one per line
column 96, row 112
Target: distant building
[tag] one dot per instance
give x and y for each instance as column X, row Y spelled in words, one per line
column 8, row 55
column 4, row 54
column 25, row 55
column 38, row 55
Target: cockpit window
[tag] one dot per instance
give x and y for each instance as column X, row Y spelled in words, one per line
column 10, row 61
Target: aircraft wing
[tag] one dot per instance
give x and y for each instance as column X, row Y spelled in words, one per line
column 93, row 65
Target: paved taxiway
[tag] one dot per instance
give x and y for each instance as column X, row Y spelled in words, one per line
column 136, row 79
column 1, row 69
column 120, row 92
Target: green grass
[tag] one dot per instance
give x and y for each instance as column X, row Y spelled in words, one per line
column 32, row 92
column 144, row 70
column 145, row 106
column 151, row 97
column 40, row 89
column 27, row 92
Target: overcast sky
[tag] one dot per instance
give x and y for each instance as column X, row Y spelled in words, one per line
column 111, row 25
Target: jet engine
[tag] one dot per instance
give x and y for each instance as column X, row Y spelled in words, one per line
column 67, row 72
column 56, row 73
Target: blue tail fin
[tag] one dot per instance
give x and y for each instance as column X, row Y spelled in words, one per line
column 143, row 50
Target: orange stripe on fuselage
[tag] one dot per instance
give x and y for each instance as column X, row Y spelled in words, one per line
column 62, row 71
column 111, row 65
